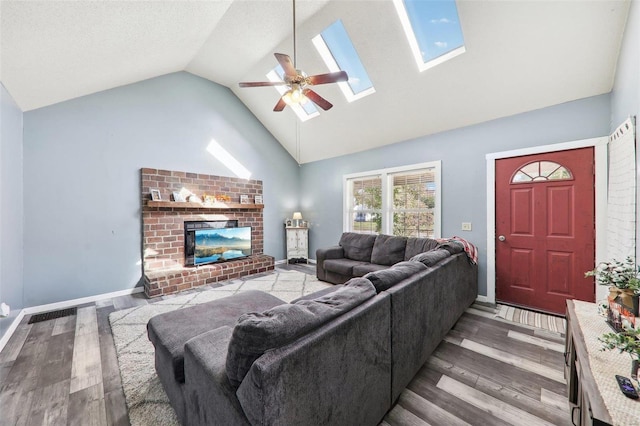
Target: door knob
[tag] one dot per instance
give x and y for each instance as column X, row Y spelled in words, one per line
column 501, row 238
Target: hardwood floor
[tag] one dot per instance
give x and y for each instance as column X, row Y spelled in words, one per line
column 487, row 372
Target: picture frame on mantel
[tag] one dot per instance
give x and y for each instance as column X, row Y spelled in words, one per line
column 155, row 195
column 177, row 196
column 258, row 199
column 244, row 199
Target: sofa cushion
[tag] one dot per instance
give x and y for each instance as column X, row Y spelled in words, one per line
column 385, row 279
column 171, row 330
column 318, row 293
column 419, row 245
column 431, row 257
column 256, row 333
column 342, row 266
column 452, row 246
column 388, row 250
column 365, row 268
column 357, row 246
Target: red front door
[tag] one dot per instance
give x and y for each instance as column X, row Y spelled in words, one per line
column 545, row 229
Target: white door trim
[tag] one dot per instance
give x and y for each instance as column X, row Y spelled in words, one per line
column 600, row 153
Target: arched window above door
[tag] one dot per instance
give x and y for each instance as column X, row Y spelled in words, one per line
column 541, row 171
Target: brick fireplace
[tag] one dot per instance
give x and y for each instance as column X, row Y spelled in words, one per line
column 163, row 220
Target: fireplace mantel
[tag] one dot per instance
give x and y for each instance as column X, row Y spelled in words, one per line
column 191, row 206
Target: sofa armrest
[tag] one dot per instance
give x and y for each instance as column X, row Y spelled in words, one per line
column 322, row 254
column 209, row 396
column 424, row 308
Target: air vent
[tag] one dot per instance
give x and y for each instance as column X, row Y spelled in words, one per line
column 52, row 315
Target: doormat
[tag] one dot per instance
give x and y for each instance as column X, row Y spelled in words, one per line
column 52, row 315
column 534, row 319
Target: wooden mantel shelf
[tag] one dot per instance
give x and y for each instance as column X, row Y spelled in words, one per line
column 215, row 206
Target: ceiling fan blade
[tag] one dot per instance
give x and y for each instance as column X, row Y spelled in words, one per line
column 332, row 77
column 262, row 83
column 317, row 99
column 286, row 64
column 280, row 105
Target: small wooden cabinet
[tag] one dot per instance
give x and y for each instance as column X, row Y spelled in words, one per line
column 297, row 244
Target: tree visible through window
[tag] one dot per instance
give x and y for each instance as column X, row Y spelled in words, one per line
column 413, row 203
column 400, row 201
column 366, row 204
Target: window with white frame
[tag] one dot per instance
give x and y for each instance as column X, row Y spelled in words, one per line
column 402, row 201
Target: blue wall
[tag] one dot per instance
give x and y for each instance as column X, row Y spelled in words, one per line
column 82, row 161
column 462, row 152
column 625, row 96
column 11, row 210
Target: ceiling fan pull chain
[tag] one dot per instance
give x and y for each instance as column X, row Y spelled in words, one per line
column 295, row 62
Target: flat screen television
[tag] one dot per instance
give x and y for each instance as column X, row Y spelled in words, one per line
column 210, row 245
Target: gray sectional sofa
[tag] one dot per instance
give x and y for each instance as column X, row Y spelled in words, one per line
column 358, row 254
column 340, row 356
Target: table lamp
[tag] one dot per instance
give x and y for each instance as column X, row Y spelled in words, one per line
column 297, row 216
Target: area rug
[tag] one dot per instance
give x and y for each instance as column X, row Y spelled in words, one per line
column 146, row 400
column 534, row 319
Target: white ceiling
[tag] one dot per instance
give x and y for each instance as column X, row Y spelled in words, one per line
column 520, row 56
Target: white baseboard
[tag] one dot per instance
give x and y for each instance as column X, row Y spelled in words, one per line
column 80, row 301
column 12, row 328
column 62, row 305
column 482, row 299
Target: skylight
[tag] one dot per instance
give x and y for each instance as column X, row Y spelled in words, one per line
column 337, row 51
column 304, row 111
column 432, row 29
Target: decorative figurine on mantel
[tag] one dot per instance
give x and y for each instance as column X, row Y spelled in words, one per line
column 193, row 198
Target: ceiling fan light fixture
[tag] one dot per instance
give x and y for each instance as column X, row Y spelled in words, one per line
column 294, row 96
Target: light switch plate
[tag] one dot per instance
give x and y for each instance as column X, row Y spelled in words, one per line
column 466, row 226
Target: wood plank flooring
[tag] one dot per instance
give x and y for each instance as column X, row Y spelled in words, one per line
column 486, row 372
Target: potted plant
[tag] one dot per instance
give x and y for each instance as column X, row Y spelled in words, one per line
column 623, row 279
column 628, row 340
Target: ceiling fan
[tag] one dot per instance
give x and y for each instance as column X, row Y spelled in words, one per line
column 297, row 81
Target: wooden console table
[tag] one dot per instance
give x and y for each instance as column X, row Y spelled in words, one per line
column 593, row 392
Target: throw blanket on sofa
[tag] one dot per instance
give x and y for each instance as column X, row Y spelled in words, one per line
column 469, row 249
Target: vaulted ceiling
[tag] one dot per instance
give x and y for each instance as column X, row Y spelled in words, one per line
column 520, row 56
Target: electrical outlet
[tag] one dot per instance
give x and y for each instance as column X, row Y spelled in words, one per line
column 466, row 226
